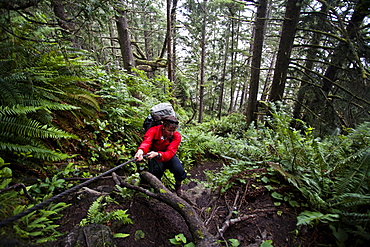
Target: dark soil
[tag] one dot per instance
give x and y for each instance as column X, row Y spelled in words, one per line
column 155, row 222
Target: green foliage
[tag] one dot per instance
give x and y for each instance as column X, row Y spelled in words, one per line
column 180, row 239
column 38, row 225
column 121, row 235
column 9, row 199
column 33, row 89
column 97, row 214
column 230, row 125
column 139, row 234
column 267, row 243
column 21, row 136
column 127, row 193
column 197, row 144
column 48, row 186
column 332, row 173
column 5, row 174
column 313, row 218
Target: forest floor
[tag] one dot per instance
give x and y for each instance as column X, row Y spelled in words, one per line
column 258, row 219
column 155, row 222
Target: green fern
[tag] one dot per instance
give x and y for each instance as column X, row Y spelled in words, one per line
column 313, row 218
column 22, row 126
column 97, row 214
column 38, row 225
column 32, row 90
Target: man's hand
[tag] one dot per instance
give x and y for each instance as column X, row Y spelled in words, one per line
column 139, row 155
column 152, row 155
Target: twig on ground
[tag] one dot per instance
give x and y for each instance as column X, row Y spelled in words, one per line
column 86, row 237
column 245, row 193
column 92, row 192
column 231, row 222
column 211, row 216
column 116, row 179
column 23, row 187
column 228, row 219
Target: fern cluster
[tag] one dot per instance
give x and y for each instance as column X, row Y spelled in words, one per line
column 97, row 214
column 38, row 83
column 39, row 226
column 332, row 173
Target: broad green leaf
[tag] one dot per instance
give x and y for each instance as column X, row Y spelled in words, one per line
column 121, row 235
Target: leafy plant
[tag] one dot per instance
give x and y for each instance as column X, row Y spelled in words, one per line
column 5, row 174
column 139, row 234
column 331, row 173
column 38, row 225
column 34, row 89
column 121, row 235
column 313, row 218
column 97, row 214
column 180, row 239
column 267, row 243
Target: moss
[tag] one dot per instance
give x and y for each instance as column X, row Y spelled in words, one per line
column 200, row 234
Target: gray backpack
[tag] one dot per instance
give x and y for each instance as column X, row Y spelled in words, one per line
column 157, row 113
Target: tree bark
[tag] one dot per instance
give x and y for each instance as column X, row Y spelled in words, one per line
column 232, row 52
column 63, row 21
column 358, row 16
column 169, row 41
column 256, row 61
column 292, row 13
column 202, row 63
column 174, row 42
column 222, row 85
column 311, row 56
column 124, row 40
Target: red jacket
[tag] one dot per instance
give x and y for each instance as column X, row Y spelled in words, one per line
column 153, row 141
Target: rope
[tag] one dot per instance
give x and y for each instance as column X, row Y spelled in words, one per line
column 54, row 198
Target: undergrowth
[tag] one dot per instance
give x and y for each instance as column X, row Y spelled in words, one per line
column 331, row 173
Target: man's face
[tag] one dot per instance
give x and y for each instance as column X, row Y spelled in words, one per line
column 169, row 130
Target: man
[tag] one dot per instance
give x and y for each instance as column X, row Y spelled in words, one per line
column 161, row 143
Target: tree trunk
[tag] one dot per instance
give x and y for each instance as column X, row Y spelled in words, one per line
column 169, row 42
column 256, row 61
column 174, row 42
column 292, row 13
column 345, row 49
column 311, row 56
column 62, row 18
column 232, row 52
column 222, row 86
column 124, row 41
column 202, row 63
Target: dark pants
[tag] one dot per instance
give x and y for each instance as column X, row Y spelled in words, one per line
column 174, row 165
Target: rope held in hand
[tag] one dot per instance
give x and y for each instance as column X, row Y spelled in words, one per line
column 54, row 198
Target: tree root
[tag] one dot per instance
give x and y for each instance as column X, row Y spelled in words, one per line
column 201, row 236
